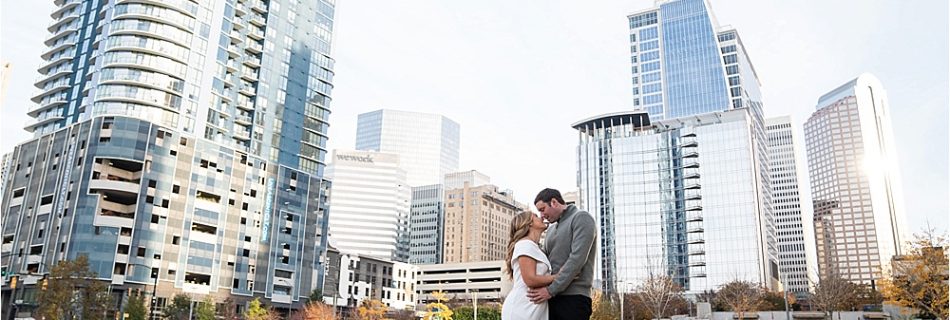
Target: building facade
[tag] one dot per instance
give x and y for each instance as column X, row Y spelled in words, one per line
column 678, row 197
column 794, row 231
column 371, row 204
column 428, row 144
column 683, row 63
column 352, row 278
column 477, row 219
column 457, row 180
column 427, row 216
column 152, row 157
column 464, row 282
column 855, row 183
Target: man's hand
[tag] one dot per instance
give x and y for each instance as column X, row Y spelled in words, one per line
column 539, row 295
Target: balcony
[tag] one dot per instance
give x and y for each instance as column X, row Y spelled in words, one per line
column 694, row 217
column 255, row 33
column 242, row 119
column 694, row 208
column 257, row 21
column 233, row 51
column 231, row 65
column 697, row 229
column 254, row 47
column 242, row 134
column 240, row 9
column 691, row 154
column 688, row 143
column 236, row 37
column 249, row 74
column 63, row 7
column 67, row 18
column 691, row 186
column 59, row 34
column 56, row 101
column 252, row 61
column 258, row 6
column 57, row 47
column 697, row 261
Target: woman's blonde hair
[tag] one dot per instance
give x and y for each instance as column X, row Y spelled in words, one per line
column 520, row 225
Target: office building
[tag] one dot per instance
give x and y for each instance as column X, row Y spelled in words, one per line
column 426, row 218
column 173, row 140
column 352, row 278
column 457, row 180
column 477, row 219
column 679, row 197
column 370, row 201
column 794, row 231
column 428, row 144
column 855, row 182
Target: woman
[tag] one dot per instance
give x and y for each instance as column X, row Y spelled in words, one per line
column 528, row 267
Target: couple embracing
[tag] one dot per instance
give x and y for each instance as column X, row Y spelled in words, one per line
column 554, row 282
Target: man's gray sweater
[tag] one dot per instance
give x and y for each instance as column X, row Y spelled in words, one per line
column 569, row 245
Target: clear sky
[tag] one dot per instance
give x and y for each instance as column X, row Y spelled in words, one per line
column 516, row 74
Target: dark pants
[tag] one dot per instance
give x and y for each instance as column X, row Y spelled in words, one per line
column 570, row 307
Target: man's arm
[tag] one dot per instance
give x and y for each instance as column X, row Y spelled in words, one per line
column 582, row 238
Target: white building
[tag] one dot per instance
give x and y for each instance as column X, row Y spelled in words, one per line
column 369, row 202
column 457, row 180
column 795, row 233
column 855, row 183
column 483, row 280
column 428, row 144
column 352, row 278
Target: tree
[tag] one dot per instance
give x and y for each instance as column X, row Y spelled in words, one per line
column 438, row 310
column 179, row 309
column 256, row 312
column 775, row 301
column 742, row 297
column 135, row 308
column 205, row 309
column 227, row 309
column 73, row 291
column 316, row 295
column 709, row 296
column 315, row 311
column 603, row 307
column 919, row 278
column 832, row 293
column 657, row 293
column 371, row 310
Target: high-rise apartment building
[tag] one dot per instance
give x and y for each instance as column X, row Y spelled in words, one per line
column 678, row 197
column 794, row 231
column 427, row 144
column 426, row 218
column 174, row 140
column 855, row 183
column 477, row 219
column 370, row 201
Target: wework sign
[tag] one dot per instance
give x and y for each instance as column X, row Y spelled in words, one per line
column 346, row 157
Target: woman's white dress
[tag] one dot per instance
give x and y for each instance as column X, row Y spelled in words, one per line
column 517, row 306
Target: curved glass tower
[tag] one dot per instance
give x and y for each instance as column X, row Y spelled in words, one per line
column 180, row 144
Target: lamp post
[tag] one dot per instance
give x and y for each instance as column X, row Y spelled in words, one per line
column 151, row 305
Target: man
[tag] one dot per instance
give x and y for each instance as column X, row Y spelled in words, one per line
column 569, row 245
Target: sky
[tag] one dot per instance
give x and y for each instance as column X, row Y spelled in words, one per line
column 516, row 74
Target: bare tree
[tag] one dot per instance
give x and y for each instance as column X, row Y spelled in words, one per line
column 658, row 292
column 833, row 293
column 741, row 297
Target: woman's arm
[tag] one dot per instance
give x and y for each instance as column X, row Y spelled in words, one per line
column 529, row 273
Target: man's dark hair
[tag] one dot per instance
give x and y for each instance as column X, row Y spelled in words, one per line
column 547, row 194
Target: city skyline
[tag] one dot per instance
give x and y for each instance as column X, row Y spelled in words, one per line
column 850, row 49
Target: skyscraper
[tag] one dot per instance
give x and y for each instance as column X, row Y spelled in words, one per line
column 370, row 203
column 152, row 157
column 683, row 63
column 427, row 144
column 855, row 182
column 427, row 217
column 678, row 197
column 680, row 185
column 794, row 231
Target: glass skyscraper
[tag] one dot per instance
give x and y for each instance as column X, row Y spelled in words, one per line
column 683, row 63
column 427, row 218
column 855, row 182
column 681, row 185
column 678, row 198
column 794, row 231
column 427, row 144
column 174, row 140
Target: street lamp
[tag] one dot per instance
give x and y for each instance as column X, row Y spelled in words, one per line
column 151, row 305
